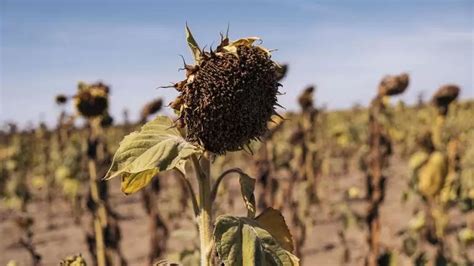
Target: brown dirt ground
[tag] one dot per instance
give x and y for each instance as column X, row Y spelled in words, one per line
column 323, row 246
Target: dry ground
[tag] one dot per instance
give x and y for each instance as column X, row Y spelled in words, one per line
column 58, row 236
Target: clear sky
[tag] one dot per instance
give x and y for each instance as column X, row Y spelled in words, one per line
column 344, row 47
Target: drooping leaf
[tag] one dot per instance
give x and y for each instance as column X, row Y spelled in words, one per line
column 242, row 241
column 432, row 174
column 193, row 44
column 247, row 187
column 157, row 147
column 418, row 159
column 273, row 221
column 131, row 183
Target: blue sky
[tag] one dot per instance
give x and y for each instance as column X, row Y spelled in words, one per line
column 344, row 47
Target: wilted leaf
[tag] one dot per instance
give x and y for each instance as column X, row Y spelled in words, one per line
column 417, row 160
column 242, row 241
column 466, row 236
column 157, row 147
column 73, row 261
column 273, row 221
column 410, row 245
column 431, row 176
column 418, row 222
column 247, row 186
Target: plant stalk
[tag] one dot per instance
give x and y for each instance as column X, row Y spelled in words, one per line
column 375, row 181
column 205, row 207
column 99, row 239
column 100, row 213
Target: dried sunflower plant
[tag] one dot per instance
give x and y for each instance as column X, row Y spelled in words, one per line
column 228, row 97
column 380, row 150
column 103, row 235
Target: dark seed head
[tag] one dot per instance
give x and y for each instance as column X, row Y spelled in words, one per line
column 61, row 99
column 151, row 108
column 229, row 97
column 393, row 85
column 92, row 100
column 444, row 96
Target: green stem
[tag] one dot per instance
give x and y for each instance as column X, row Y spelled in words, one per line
column 205, row 208
column 219, row 180
column 191, row 192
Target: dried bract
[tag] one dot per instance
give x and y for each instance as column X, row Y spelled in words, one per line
column 282, row 71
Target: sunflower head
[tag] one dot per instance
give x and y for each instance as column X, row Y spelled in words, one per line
column 151, row 108
column 306, row 99
column 61, row 99
column 91, row 100
column 393, row 85
column 444, row 96
column 229, row 94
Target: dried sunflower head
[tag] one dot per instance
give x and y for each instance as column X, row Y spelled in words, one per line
column 229, row 95
column 306, row 99
column 91, row 100
column 151, row 108
column 61, row 99
column 444, row 96
column 393, row 85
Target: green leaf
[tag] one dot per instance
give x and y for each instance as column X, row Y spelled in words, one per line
column 157, row 147
column 242, row 241
column 193, row 44
column 247, row 187
column 131, row 183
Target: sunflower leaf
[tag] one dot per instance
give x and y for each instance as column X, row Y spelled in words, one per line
column 157, row 147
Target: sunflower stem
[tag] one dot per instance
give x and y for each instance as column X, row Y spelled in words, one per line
column 204, row 217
